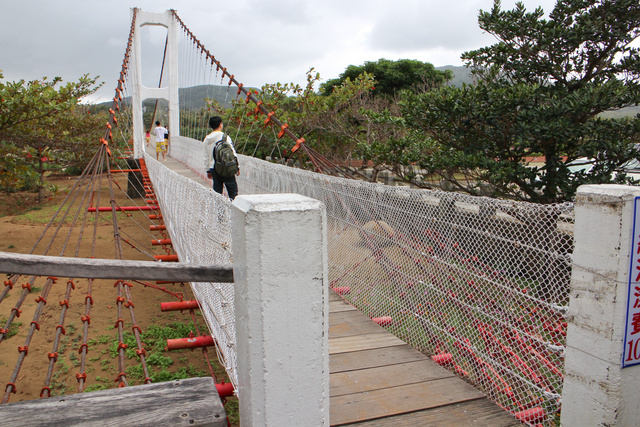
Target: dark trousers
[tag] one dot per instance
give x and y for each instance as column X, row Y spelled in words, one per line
column 230, row 183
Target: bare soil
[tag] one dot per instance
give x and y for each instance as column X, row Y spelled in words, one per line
column 22, row 223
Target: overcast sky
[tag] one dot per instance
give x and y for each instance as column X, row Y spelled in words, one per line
column 259, row 41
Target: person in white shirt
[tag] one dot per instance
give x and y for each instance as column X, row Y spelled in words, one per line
column 161, row 145
column 210, row 142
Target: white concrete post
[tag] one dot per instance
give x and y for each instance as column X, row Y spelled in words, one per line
column 597, row 391
column 282, row 310
column 135, row 67
column 169, row 91
column 172, row 68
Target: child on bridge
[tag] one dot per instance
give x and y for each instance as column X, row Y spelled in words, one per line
column 161, row 145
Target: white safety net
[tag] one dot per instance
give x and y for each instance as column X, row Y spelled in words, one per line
column 199, row 223
column 479, row 284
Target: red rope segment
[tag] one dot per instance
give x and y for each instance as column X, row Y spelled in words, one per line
column 15, row 311
column 24, row 349
column 53, row 355
column 205, row 352
column 140, row 351
column 321, row 164
column 81, row 376
column 232, row 79
column 119, row 325
column 119, row 89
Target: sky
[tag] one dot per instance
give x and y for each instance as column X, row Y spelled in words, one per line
column 259, row 41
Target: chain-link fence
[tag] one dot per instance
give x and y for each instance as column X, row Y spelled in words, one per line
column 480, row 284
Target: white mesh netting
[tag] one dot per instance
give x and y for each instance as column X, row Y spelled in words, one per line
column 478, row 283
column 198, row 221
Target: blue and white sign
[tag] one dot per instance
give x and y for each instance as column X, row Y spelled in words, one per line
column 631, row 353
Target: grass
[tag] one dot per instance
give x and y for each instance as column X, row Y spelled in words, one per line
column 161, row 364
column 13, row 329
column 41, row 215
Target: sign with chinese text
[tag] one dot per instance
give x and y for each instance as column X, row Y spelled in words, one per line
column 631, row 353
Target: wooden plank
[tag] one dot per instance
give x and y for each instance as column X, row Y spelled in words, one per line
column 364, row 359
column 398, row 400
column 37, row 265
column 346, row 323
column 192, row 401
column 363, row 342
column 346, row 316
column 478, row 413
column 337, row 306
column 386, row 377
column 335, row 297
column 358, row 327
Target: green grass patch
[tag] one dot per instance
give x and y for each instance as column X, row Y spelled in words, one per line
column 13, row 329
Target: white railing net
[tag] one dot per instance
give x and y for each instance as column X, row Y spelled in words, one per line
column 199, row 223
column 478, row 283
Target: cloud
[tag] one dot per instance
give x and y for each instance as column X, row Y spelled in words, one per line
column 425, row 26
column 258, row 41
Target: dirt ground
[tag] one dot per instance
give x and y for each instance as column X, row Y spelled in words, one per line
column 22, row 223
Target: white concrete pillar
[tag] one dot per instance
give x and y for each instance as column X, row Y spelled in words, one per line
column 597, row 390
column 282, row 310
column 135, row 69
column 169, row 91
column 172, row 68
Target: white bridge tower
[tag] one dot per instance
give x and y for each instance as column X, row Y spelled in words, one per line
column 169, row 89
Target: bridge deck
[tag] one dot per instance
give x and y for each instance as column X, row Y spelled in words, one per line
column 376, row 379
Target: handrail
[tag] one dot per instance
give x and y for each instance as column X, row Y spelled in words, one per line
column 39, row 265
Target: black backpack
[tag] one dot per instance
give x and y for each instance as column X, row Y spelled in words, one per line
column 226, row 162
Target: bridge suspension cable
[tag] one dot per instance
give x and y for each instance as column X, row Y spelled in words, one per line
column 321, row 163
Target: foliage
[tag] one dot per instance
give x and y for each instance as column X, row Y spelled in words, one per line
column 540, row 91
column 43, row 126
column 392, row 77
column 330, row 124
column 333, row 125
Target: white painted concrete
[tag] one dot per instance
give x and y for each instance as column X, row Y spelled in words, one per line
column 597, row 391
column 282, row 310
column 169, row 91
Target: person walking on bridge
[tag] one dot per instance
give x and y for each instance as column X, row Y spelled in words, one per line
column 220, row 161
column 161, row 146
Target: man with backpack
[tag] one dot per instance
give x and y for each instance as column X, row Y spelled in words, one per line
column 221, row 159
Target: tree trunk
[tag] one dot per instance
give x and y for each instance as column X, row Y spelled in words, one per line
column 551, row 177
column 41, row 195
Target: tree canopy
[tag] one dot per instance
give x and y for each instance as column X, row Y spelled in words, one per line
column 41, row 122
column 540, row 90
column 392, row 76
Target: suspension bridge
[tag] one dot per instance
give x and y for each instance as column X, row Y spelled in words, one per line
column 444, row 308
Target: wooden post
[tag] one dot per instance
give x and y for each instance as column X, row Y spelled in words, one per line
column 281, row 306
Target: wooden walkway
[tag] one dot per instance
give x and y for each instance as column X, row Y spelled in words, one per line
column 376, row 379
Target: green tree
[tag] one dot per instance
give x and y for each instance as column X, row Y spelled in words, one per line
column 332, row 125
column 540, row 91
column 392, row 76
column 41, row 122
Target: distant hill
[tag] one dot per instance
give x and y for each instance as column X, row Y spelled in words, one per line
column 192, row 98
column 460, row 75
column 625, row 112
